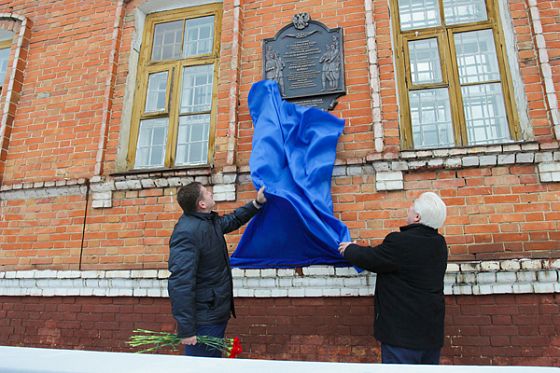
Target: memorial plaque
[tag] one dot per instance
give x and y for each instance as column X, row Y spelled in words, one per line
column 307, row 60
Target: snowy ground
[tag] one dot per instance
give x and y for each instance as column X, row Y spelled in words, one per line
column 37, row 360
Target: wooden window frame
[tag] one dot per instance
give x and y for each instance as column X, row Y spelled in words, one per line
column 450, row 74
column 173, row 94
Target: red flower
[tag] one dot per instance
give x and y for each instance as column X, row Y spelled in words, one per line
column 235, row 348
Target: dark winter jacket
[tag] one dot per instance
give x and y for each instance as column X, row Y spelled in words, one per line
column 200, row 285
column 409, row 301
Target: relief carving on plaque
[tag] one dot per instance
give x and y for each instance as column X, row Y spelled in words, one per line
column 273, row 67
column 331, row 66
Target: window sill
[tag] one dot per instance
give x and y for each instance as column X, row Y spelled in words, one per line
column 389, row 173
column 469, row 150
column 197, row 170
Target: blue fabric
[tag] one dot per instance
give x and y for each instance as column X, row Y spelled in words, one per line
column 400, row 355
column 293, row 155
column 202, row 350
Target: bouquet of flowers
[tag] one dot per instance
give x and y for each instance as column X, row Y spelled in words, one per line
column 231, row 347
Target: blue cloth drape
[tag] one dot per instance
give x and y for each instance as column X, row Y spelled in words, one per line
column 293, row 155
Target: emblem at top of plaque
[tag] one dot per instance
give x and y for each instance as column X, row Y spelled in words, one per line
column 301, row 20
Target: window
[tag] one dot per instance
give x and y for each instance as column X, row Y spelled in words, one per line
column 4, row 58
column 452, row 73
column 174, row 105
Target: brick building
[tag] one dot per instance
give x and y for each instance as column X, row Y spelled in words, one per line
column 109, row 105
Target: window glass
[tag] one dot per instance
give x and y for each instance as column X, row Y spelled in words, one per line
column 192, row 143
column 464, row 11
column 157, row 89
column 431, row 118
column 418, row 14
column 476, row 57
column 485, row 114
column 197, row 88
column 199, row 36
column 167, row 41
column 4, row 57
column 151, row 143
column 425, row 66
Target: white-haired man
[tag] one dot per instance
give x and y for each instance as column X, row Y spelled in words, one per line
column 409, row 301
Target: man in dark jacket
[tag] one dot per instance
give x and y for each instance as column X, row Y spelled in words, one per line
column 200, row 285
column 409, row 301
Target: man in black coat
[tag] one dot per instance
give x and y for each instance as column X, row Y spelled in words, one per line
column 409, row 301
column 200, row 285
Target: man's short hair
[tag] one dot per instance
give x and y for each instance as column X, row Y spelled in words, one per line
column 188, row 196
column 431, row 209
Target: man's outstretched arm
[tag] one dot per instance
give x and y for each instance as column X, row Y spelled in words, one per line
column 243, row 214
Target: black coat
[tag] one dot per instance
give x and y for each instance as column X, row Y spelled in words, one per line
column 200, row 285
column 409, row 301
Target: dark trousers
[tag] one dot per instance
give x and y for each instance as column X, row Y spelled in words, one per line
column 201, row 350
column 400, row 355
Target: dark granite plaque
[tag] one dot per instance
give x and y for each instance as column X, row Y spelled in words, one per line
column 306, row 59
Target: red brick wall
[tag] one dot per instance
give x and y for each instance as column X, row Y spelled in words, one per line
column 134, row 233
column 56, row 128
column 503, row 330
column 497, row 330
column 42, row 233
column 495, row 212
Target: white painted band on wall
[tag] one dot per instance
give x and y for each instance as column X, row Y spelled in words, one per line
column 516, row 276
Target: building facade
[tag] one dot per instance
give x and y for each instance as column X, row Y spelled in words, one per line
column 109, row 105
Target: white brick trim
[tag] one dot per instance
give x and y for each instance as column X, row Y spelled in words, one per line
column 389, row 180
column 549, row 172
column 8, row 90
column 28, row 191
column 234, row 85
column 511, row 46
column 515, row 276
column 374, row 81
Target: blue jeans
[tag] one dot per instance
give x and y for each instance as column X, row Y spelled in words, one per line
column 400, row 355
column 201, row 350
